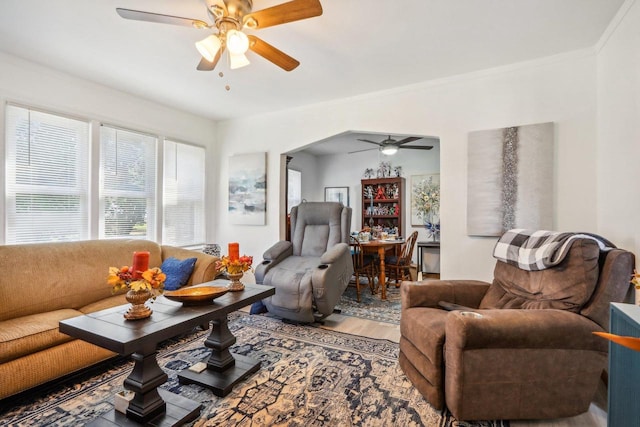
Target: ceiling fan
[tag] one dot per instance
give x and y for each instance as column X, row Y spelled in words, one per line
column 230, row 18
column 391, row 146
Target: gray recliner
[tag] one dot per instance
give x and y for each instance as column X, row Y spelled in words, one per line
column 310, row 272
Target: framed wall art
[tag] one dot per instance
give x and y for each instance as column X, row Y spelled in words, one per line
column 337, row 194
column 510, row 179
column 248, row 188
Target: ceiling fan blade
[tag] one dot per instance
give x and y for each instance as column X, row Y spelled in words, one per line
column 294, row 10
column 372, row 142
column 205, row 65
column 408, row 139
column 272, row 54
column 417, row 147
column 161, row 19
column 359, row 151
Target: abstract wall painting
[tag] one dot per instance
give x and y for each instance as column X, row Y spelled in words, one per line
column 247, row 189
column 510, row 179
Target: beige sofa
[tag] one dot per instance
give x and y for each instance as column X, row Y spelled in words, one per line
column 41, row 284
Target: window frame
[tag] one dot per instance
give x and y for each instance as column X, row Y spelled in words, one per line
column 92, row 200
column 12, row 187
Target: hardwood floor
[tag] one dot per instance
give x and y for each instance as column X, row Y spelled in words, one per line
column 595, row 417
column 362, row 327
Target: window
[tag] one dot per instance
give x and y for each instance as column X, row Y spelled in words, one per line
column 294, row 188
column 46, row 176
column 64, row 182
column 127, row 184
column 183, row 194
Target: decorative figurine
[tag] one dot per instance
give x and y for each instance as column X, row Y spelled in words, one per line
column 398, row 171
column 395, row 192
column 384, row 170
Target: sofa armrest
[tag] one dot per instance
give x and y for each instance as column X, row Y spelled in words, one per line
column 278, row 251
column 522, row 329
column 272, row 257
column 331, row 277
column 429, row 292
column 334, row 253
column 205, row 269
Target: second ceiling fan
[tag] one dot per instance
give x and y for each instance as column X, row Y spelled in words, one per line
column 230, row 18
column 391, row 146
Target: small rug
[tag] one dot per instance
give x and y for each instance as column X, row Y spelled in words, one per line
column 371, row 307
column 309, row 377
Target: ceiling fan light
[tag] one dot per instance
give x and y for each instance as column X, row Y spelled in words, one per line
column 389, row 150
column 237, row 42
column 209, row 47
column 238, row 60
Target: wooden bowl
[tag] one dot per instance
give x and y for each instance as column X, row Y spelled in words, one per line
column 197, row 295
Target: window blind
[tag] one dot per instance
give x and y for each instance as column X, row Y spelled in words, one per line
column 127, row 184
column 47, row 159
column 183, row 194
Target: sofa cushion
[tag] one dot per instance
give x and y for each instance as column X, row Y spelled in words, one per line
column 567, row 286
column 62, row 275
column 293, row 276
column 29, row 334
column 104, row 303
column 177, row 272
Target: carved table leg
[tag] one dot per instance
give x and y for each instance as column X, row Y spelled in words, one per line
column 150, row 405
column 219, row 341
column 144, row 380
column 224, row 369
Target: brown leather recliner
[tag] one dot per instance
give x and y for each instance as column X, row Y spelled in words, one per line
column 525, row 348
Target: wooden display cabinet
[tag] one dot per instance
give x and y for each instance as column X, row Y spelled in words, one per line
column 386, row 208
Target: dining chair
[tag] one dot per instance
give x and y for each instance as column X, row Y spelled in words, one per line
column 363, row 266
column 399, row 266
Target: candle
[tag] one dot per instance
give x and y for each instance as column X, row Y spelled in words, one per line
column 140, row 264
column 234, row 251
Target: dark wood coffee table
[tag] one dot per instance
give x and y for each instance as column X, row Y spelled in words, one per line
column 139, row 338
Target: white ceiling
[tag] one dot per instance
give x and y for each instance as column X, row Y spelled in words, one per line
column 347, row 143
column 355, row 47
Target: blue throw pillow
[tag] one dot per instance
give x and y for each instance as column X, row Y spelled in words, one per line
column 178, row 272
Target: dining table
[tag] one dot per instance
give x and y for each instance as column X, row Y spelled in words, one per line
column 381, row 246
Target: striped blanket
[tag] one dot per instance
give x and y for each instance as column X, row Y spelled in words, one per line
column 535, row 250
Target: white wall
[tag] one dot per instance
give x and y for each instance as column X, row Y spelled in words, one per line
column 34, row 85
column 560, row 89
column 619, row 130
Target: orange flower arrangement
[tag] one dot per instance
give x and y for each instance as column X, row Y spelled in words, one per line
column 635, row 279
column 239, row 265
column 122, row 278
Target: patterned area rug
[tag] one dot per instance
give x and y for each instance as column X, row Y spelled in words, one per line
column 309, row 377
column 371, row 306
